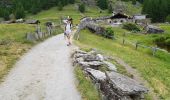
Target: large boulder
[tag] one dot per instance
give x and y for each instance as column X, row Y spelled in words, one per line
column 120, row 87
column 96, row 75
column 95, row 28
column 153, row 29
column 110, row 66
column 32, row 21
column 91, row 64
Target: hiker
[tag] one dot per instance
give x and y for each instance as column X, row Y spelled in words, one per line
column 67, row 32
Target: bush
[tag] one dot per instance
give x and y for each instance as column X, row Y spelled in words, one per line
column 164, row 40
column 168, row 18
column 167, row 42
column 19, row 11
column 109, row 33
column 131, row 27
column 60, row 6
column 103, row 4
column 82, row 8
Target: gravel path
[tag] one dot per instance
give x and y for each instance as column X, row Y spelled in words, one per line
column 44, row 73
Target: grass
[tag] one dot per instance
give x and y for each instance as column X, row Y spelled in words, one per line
column 13, row 44
column 85, row 86
column 154, row 70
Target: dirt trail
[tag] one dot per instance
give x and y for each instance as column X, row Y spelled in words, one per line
column 44, row 73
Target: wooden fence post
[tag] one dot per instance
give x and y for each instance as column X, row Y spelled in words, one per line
column 136, row 45
column 123, row 41
column 154, row 49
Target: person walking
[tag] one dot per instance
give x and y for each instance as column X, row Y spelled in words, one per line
column 68, row 30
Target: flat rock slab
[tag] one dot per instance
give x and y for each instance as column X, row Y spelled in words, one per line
column 92, row 64
column 124, row 84
column 110, row 66
column 96, row 74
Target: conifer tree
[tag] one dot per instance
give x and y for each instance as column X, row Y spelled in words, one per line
column 103, row 4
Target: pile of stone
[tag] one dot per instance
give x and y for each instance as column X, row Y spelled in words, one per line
column 92, row 25
column 153, row 29
column 111, row 84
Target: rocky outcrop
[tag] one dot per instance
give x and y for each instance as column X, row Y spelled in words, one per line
column 153, row 29
column 90, row 24
column 120, row 87
column 32, row 21
column 112, row 85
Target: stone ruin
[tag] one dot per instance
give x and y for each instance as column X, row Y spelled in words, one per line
column 111, row 84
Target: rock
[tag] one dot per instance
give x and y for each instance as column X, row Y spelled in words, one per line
column 95, row 28
column 40, row 35
column 32, row 21
column 110, row 66
column 100, row 57
column 8, row 22
column 92, row 64
column 31, row 37
column 120, row 87
column 78, row 55
column 19, row 20
column 80, row 52
column 125, row 84
column 96, row 75
column 154, row 29
column 78, row 60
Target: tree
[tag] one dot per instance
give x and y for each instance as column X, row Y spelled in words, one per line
column 134, row 2
column 6, row 14
column 157, row 10
column 60, row 6
column 71, row 1
column 82, row 8
column 19, row 11
column 168, row 18
column 110, row 8
column 103, row 4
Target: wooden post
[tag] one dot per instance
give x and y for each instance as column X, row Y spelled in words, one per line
column 154, row 49
column 124, row 34
column 123, row 41
column 136, row 45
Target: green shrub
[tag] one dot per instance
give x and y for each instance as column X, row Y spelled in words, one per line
column 82, row 8
column 109, row 33
column 164, row 40
column 168, row 18
column 167, row 41
column 131, row 27
column 60, row 6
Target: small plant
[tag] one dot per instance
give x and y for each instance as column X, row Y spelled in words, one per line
column 82, row 8
column 131, row 27
column 109, row 33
